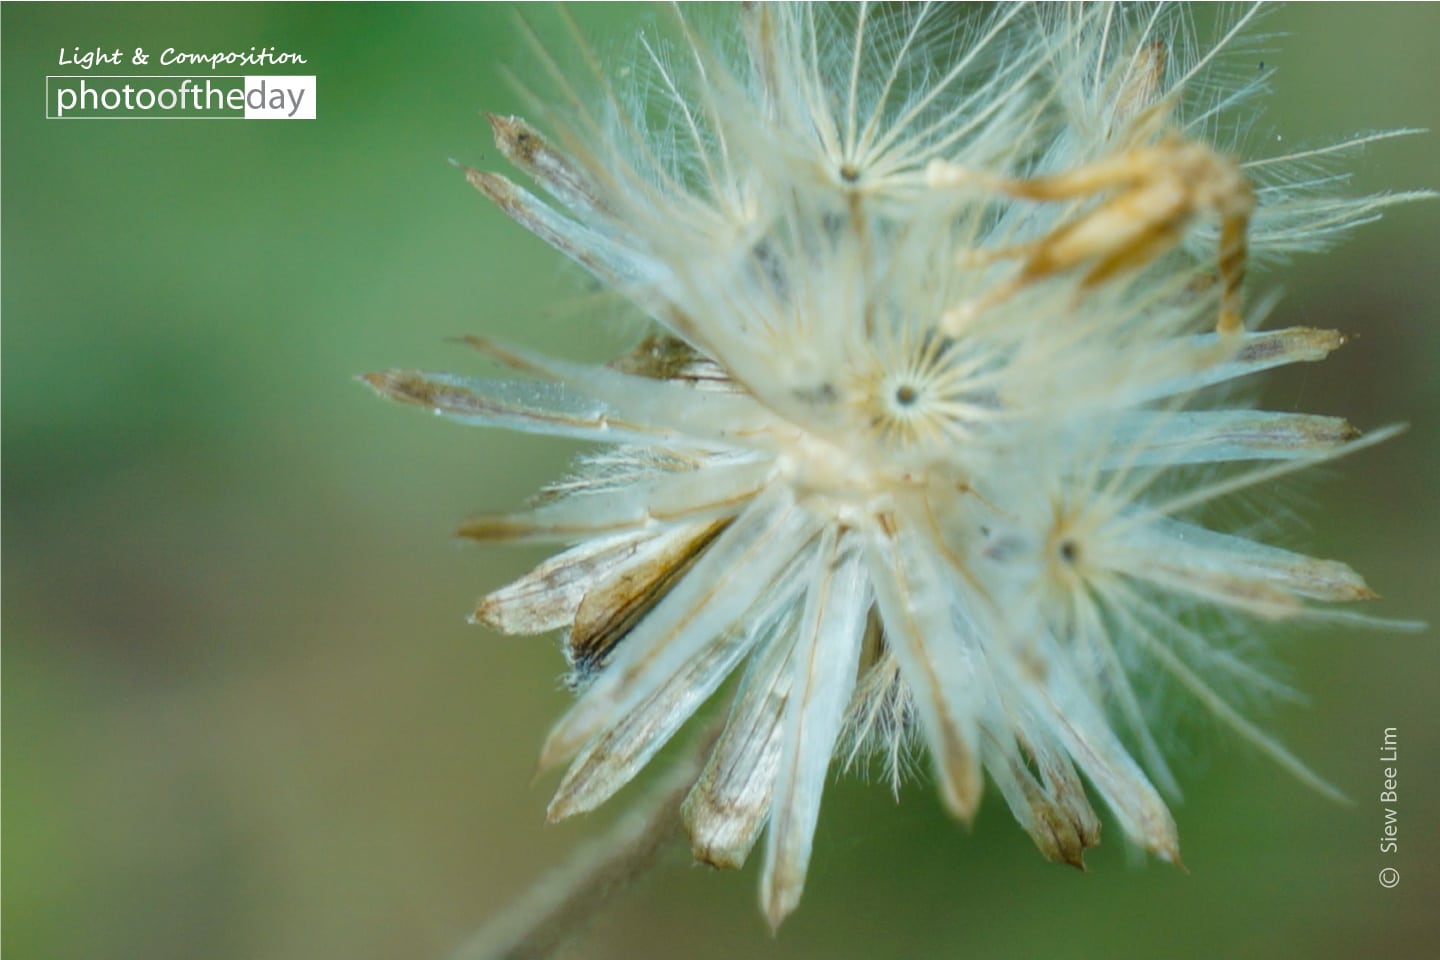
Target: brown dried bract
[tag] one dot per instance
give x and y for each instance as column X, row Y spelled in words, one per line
column 1156, row 188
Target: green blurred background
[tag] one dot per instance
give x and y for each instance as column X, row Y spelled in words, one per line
column 243, row 715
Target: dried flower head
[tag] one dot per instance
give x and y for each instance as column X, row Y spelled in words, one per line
column 926, row 441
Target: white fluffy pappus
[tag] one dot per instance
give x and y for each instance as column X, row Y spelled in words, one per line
column 925, row 441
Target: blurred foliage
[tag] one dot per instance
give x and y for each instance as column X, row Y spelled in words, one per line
column 243, row 716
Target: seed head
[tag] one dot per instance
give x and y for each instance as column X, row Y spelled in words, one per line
column 925, row 441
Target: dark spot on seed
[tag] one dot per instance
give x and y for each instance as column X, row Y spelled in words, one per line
column 1004, row 549
column 833, row 223
column 771, row 267
column 823, row 395
column 905, row 395
column 987, row 399
column 945, row 342
column 848, row 173
column 1069, row 551
column 1261, row 350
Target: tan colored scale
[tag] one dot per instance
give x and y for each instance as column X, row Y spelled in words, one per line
column 1156, row 188
column 619, row 600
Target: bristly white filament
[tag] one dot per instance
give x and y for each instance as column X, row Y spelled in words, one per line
column 924, row 445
